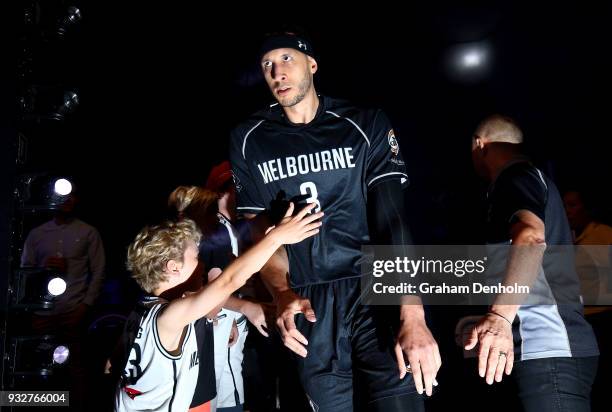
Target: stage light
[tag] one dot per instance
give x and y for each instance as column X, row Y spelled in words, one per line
column 43, row 191
column 69, row 105
column 56, row 286
column 47, row 103
column 37, row 288
column 61, row 354
column 73, row 16
column 472, row 58
column 43, row 355
column 468, row 62
column 469, row 58
column 62, row 187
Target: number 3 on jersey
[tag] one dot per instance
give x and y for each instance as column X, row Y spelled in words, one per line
column 309, row 188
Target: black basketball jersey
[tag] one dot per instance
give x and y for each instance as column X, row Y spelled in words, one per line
column 332, row 161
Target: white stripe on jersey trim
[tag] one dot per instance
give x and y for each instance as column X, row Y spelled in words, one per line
column 158, row 343
column 251, row 208
column 354, row 124
column 387, row 174
column 247, row 136
column 542, row 178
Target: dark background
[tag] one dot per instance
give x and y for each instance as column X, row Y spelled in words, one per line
column 161, row 84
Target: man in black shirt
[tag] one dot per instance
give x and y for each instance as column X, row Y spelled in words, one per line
column 544, row 341
column 314, row 149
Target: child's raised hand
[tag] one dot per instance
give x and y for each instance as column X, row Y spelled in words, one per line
column 294, row 229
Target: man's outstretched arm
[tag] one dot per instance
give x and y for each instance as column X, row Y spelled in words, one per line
column 414, row 341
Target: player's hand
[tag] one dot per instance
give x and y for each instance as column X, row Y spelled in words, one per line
column 416, row 342
column 294, row 229
column 496, row 347
column 290, row 304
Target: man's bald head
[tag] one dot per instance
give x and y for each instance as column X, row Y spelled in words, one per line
column 499, row 129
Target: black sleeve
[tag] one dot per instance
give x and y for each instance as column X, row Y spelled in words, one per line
column 387, row 214
column 387, row 217
column 248, row 199
column 216, row 251
column 523, row 189
column 384, row 160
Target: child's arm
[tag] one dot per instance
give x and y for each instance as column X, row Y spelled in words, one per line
column 181, row 312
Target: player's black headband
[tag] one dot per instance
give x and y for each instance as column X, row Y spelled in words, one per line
column 286, row 41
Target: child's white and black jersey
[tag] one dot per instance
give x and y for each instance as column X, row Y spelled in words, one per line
column 154, row 379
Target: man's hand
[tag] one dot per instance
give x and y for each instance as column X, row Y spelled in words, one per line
column 290, row 304
column 256, row 314
column 496, row 348
column 417, row 343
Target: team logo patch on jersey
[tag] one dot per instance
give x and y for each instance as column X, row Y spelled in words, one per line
column 393, row 142
column 394, row 148
column 237, row 183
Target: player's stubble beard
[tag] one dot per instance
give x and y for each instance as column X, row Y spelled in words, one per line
column 303, row 88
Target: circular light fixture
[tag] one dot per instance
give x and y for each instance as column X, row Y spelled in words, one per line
column 472, row 58
column 56, row 286
column 62, row 187
column 61, row 354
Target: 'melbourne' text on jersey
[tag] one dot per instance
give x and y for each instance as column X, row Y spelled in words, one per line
column 277, row 169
